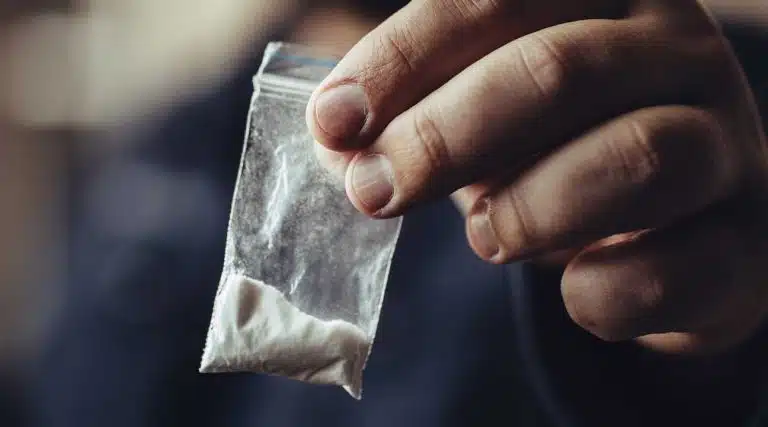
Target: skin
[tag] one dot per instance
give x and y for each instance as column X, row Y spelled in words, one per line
column 619, row 135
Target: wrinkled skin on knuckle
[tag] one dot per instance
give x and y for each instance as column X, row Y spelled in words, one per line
column 418, row 149
column 546, row 65
column 634, row 152
column 475, row 10
column 521, row 215
column 401, row 49
column 434, row 156
column 392, row 58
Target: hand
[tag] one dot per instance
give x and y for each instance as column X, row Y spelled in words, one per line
column 620, row 129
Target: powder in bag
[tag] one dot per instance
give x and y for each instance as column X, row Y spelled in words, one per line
column 304, row 272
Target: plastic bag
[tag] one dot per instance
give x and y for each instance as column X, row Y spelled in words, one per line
column 304, row 272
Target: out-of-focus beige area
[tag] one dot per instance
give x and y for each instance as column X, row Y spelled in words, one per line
column 83, row 66
column 76, row 67
column 102, row 60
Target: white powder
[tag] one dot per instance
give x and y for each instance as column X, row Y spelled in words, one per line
column 256, row 328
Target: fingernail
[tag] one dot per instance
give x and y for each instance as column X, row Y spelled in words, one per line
column 481, row 234
column 372, row 181
column 341, row 111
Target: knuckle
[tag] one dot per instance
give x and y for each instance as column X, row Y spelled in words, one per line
column 519, row 219
column 546, row 64
column 475, row 10
column 431, row 141
column 398, row 52
column 647, row 148
column 698, row 119
column 705, row 127
column 634, row 154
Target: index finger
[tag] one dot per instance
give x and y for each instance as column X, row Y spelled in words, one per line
column 418, row 49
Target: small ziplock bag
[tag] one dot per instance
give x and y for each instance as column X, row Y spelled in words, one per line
column 304, row 272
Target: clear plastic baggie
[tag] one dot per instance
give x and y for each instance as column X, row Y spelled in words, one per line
column 304, row 272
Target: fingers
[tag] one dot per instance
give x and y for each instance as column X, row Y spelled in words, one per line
column 644, row 170
column 684, row 289
column 466, row 197
column 523, row 99
column 333, row 162
column 417, row 50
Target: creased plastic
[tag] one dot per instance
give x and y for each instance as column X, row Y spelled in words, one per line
column 304, row 272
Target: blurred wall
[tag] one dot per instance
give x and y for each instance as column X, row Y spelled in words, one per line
column 77, row 67
column 103, row 62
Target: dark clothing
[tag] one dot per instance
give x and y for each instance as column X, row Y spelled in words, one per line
column 461, row 342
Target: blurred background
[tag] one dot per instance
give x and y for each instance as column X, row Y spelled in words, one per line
column 100, row 176
column 78, row 79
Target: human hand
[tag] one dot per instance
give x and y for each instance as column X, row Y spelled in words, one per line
column 623, row 129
